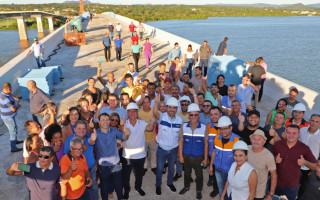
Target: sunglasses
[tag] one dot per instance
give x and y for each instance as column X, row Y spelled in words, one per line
column 206, row 105
column 184, row 104
column 193, row 115
column 114, row 120
column 77, row 149
column 45, row 157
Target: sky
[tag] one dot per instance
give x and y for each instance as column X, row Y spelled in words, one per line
column 190, row 2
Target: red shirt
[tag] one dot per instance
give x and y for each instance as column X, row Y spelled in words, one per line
column 135, row 38
column 288, row 170
column 132, row 27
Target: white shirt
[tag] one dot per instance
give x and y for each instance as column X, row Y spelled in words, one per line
column 238, row 183
column 134, row 146
column 118, row 27
column 37, row 49
column 190, row 54
column 245, row 93
column 312, row 141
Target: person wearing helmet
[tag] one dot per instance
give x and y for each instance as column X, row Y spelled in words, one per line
column 222, row 156
column 290, row 155
column 184, row 104
column 134, row 159
column 168, row 140
column 213, row 130
column 298, row 114
column 193, row 149
column 263, row 161
column 242, row 177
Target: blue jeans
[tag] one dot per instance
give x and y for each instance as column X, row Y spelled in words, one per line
column 291, row 193
column 204, row 64
column 179, row 167
column 189, row 64
column 13, row 131
column 119, row 33
column 38, row 118
column 42, row 64
column 131, row 34
column 162, row 157
column 93, row 190
column 111, row 36
column 141, row 35
column 221, row 179
column 110, row 179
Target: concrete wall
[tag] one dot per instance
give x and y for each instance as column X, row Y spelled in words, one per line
column 19, row 65
column 275, row 87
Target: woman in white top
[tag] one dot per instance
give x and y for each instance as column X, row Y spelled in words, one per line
column 242, row 177
column 189, row 60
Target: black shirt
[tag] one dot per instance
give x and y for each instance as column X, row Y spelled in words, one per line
column 245, row 135
column 223, row 91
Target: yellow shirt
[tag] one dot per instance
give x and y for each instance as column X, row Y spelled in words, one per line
column 150, row 136
column 129, row 91
column 184, row 117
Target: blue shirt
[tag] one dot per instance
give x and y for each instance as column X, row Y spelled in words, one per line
column 106, row 146
column 106, row 41
column 88, row 153
column 204, row 120
column 121, row 112
column 6, row 102
column 134, row 75
column 118, row 42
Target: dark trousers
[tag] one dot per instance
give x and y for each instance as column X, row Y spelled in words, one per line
column 84, row 196
column 213, row 179
column 303, row 182
column 118, row 53
column 261, row 89
column 136, row 57
column 291, row 193
column 107, row 53
column 110, row 179
column 194, row 163
column 137, row 165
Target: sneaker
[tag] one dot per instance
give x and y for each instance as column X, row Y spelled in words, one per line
column 141, row 192
column 172, row 188
column 210, row 182
column 154, row 170
column 126, row 195
column 176, row 177
column 184, row 190
column 16, row 150
column 199, row 195
column 191, row 180
column 214, row 193
column 19, row 142
column 158, row 190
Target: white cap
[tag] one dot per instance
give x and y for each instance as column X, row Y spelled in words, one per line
column 185, row 98
column 240, row 145
column 172, row 101
column 132, row 106
column 110, row 23
column 193, row 107
column 224, row 121
column 299, row 107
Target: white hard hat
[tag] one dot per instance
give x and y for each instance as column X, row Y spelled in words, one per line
column 185, row 98
column 193, row 107
column 224, row 121
column 110, row 23
column 132, row 106
column 300, row 107
column 172, row 101
column 240, row 145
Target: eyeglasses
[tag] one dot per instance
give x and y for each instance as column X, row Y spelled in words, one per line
column 77, row 149
column 114, row 120
column 193, row 115
column 206, row 105
column 45, row 157
column 184, row 104
column 224, row 129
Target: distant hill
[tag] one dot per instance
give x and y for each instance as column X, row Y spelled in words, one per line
column 296, row 6
column 77, row 2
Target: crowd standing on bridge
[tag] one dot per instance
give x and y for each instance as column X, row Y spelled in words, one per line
column 175, row 121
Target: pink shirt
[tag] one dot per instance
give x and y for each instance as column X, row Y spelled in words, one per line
column 265, row 67
column 147, row 46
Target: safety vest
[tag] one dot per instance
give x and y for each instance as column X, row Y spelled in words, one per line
column 213, row 131
column 168, row 134
column 193, row 141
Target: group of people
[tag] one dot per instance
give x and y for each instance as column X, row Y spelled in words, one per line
column 176, row 121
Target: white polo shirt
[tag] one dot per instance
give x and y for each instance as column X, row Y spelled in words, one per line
column 134, row 146
column 312, row 141
column 37, row 49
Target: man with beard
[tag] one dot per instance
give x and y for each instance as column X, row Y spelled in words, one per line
column 205, row 115
column 253, row 125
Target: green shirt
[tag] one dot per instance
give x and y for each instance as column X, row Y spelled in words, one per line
column 135, row 48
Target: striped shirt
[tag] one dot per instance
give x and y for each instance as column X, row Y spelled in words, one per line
column 6, row 102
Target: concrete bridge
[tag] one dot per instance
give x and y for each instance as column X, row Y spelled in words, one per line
column 20, row 15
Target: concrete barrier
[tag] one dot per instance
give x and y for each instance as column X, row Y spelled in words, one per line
column 275, row 87
column 19, row 65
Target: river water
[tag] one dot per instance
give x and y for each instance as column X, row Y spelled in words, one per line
column 11, row 46
column 289, row 45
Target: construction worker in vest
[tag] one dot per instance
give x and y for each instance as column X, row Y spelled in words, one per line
column 213, row 130
column 168, row 140
column 298, row 113
column 193, row 149
column 222, row 155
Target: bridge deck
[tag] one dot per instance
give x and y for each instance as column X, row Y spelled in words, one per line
column 79, row 63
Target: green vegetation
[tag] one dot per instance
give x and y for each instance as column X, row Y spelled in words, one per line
column 155, row 12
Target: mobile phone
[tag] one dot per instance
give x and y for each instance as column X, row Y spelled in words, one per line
column 24, row 167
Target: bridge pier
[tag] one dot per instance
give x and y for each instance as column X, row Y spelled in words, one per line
column 39, row 22
column 22, row 28
column 50, row 23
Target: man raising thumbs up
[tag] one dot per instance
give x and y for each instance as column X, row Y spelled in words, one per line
column 290, row 155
